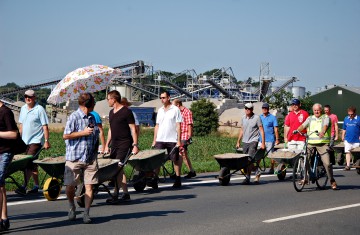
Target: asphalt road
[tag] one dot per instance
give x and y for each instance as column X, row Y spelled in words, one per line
column 201, row 206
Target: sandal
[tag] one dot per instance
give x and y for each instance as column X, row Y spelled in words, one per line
column 334, row 186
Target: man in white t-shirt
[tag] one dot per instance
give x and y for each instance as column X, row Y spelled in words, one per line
column 167, row 133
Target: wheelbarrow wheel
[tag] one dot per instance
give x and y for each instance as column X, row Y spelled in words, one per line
column 224, row 176
column 139, row 181
column 357, row 164
column 281, row 171
column 52, row 189
column 80, row 195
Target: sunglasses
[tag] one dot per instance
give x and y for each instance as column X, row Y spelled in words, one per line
column 247, row 108
column 30, row 97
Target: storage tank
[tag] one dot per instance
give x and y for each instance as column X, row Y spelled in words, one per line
column 125, row 91
column 298, row 91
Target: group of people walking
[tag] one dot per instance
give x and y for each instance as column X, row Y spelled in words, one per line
column 262, row 131
column 83, row 134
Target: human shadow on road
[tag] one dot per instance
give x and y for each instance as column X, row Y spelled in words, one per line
column 148, row 199
column 37, row 224
column 136, row 215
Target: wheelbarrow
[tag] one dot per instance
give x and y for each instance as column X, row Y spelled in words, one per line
column 108, row 169
column 144, row 163
column 284, row 158
column 340, row 149
column 19, row 163
column 231, row 163
column 356, row 153
column 55, row 168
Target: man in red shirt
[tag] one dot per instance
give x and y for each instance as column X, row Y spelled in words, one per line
column 334, row 133
column 292, row 122
column 186, row 134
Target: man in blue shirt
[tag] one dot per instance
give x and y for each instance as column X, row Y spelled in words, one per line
column 351, row 134
column 35, row 133
column 271, row 130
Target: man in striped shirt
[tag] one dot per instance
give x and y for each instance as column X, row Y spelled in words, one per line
column 186, row 134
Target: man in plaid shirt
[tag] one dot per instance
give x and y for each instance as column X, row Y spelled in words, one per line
column 81, row 137
column 186, row 134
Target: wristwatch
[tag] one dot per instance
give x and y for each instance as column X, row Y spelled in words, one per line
column 46, row 140
column 135, row 145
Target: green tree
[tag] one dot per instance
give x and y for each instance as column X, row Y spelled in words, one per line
column 307, row 103
column 280, row 101
column 206, row 119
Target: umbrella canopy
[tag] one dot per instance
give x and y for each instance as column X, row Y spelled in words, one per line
column 88, row 79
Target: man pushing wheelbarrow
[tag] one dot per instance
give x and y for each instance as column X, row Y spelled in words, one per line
column 249, row 136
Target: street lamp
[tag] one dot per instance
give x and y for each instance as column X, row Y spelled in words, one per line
column 143, row 98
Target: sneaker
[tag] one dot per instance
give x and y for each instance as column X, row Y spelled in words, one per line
column 87, row 219
column 190, row 175
column 246, row 181
column 113, row 200
column 72, row 214
column 334, row 186
column 124, row 197
column 271, row 171
column 257, row 179
column 347, row 168
column 173, row 176
column 34, row 190
column 5, row 224
column 21, row 191
column 177, row 183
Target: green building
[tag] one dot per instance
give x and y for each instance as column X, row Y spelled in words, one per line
column 339, row 98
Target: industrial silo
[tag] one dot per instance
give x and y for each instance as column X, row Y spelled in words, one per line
column 298, row 91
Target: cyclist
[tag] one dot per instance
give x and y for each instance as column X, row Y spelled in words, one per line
column 318, row 125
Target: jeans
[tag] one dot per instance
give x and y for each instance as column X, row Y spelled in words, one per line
column 5, row 160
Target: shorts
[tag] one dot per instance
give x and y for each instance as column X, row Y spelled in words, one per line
column 5, row 160
column 349, row 146
column 173, row 154
column 269, row 146
column 120, row 153
column 250, row 148
column 32, row 149
column 73, row 172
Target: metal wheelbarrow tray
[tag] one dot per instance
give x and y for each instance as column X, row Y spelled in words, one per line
column 283, row 157
column 144, row 163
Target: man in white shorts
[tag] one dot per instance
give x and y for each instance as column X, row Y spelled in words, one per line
column 351, row 134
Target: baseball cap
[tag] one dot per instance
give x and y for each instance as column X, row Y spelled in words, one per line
column 249, row 105
column 30, row 93
column 295, row 101
column 265, row 105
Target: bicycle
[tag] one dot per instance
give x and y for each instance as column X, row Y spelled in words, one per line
column 308, row 168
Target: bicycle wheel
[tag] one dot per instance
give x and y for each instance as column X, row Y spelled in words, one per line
column 299, row 173
column 321, row 177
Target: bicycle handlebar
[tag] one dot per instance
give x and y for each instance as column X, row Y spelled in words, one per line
column 304, row 134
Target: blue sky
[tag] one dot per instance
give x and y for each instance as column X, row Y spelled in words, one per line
column 316, row 41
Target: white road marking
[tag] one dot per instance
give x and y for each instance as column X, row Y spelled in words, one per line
column 236, row 178
column 310, row 213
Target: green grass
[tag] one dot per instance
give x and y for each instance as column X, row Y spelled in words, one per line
column 201, row 152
